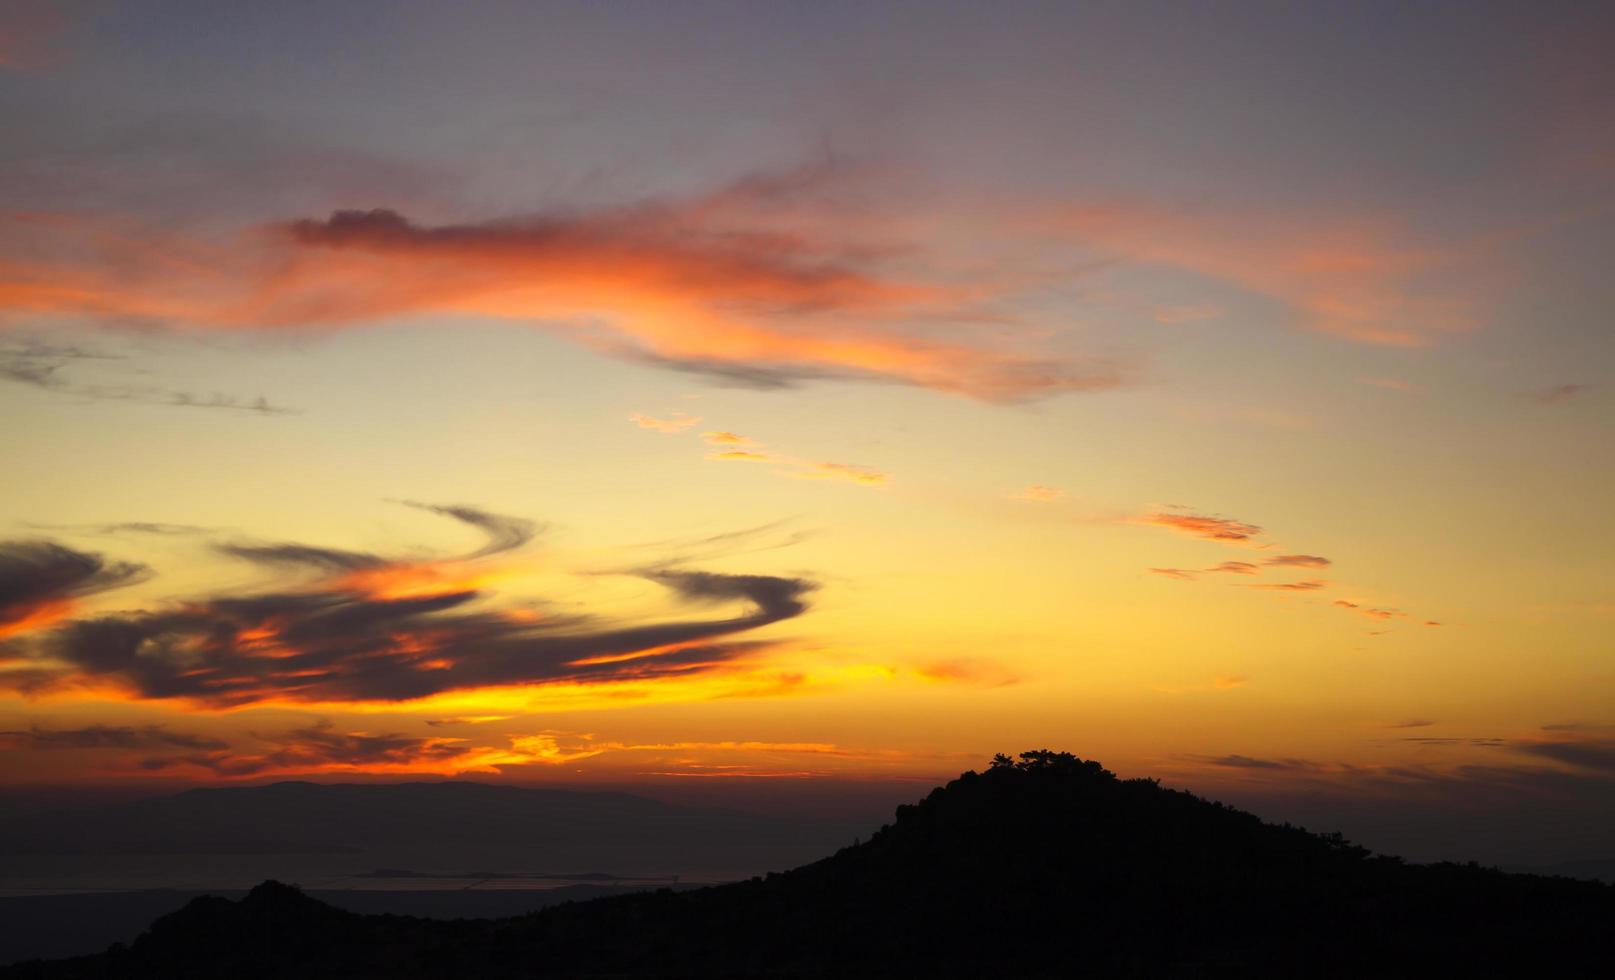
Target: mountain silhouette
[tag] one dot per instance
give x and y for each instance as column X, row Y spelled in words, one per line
column 1045, row 866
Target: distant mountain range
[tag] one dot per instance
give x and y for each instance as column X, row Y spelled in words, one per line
column 433, row 828
column 1048, row 866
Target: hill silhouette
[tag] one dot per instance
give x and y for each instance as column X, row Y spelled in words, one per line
column 1043, row 866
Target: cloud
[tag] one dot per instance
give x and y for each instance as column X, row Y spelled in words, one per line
column 1246, row 762
column 1202, row 526
column 505, row 533
column 849, row 472
column 1236, row 568
column 1038, row 493
column 1557, row 393
column 324, row 559
column 671, row 426
column 1597, row 753
column 1228, row 683
column 106, row 737
column 319, row 748
column 1357, row 279
column 1300, row 561
column 41, row 366
column 1415, row 723
column 968, row 671
column 732, row 285
column 357, row 635
column 1372, row 612
column 746, row 450
column 1177, row 573
column 40, row 582
column 1308, row 586
column 126, row 527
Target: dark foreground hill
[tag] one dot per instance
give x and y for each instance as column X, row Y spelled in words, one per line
column 1049, row 866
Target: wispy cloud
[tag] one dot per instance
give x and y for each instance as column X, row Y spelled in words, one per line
column 848, row 472
column 43, row 366
column 1300, row 561
column 107, row 737
column 1358, row 279
column 1236, row 568
column 1038, row 493
column 1204, row 526
column 1557, row 393
column 734, row 448
column 1307, row 586
column 676, row 423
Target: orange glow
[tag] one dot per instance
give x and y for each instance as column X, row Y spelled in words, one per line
column 419, row 580
column 37, row 617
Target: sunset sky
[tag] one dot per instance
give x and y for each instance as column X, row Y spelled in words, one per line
column 684, row 391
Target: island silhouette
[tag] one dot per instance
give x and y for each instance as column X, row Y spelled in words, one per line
column 1045, row 865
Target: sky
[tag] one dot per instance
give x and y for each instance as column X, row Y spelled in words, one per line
column 776, row 392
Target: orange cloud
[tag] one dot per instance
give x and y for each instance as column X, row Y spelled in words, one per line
column 1201, row 526
column 849, row 472
column 671, row 426
column 718, row 290
column 1300, row 561
column 1309, row 586
column 1228, row 683
column 791, row 466
column 1177, row 573
column 1236, row 568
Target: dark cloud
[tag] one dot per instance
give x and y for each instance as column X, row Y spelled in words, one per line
column 320, row 747
column 107, row 737
column 1246, row 762
column 504, row 533
column 1452, row 740
column 1557, row 393
column 327, row 559
column 1597, row 754
column 1413, row 723
column 346, row 639
column 35, row 575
